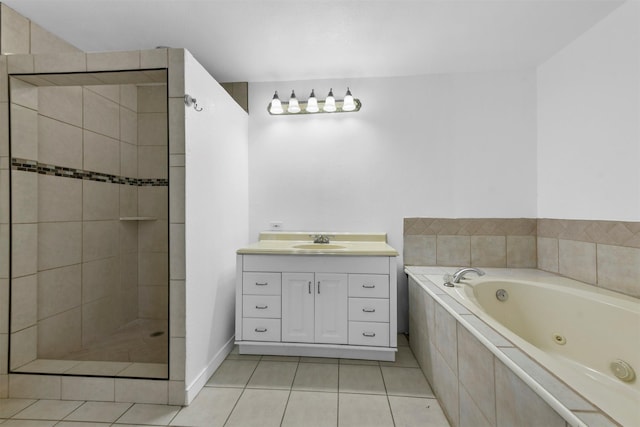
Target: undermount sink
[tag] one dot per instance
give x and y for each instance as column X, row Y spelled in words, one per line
column 318, row 246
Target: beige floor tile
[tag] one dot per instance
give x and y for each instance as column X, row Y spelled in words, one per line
column 259, row 408
column 235, row 355
column 233, row 373
column 402, row 340
column 210, row 408
column 81, row 424
column 364, row 410
column 319, row 360
column 404, row 358
column 28, row 423
column 311, row 409
column 359, row 362
column 361, row 379
column 48, row 410
column 106, row 412
column 10, row 407
column 274, row 375
column 281, row 358
column 145, row 370
column 316, row 377
column 142, row 413
column 411, row 412
column 406, row 382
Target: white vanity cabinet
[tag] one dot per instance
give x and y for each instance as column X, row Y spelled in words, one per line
column 314, row 308
column 323, row 305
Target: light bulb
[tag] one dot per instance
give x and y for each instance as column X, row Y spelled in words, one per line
column 294, row 107
column 348, row 104
column 312, row 103
column 276, row 106
column 329, row 103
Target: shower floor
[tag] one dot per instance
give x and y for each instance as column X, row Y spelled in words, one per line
column 138, row 349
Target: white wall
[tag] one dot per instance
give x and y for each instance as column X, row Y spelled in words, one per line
column 458, row 145
column 589, row 123
column 216, row 219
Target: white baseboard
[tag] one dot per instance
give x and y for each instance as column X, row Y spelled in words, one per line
column 196, row 385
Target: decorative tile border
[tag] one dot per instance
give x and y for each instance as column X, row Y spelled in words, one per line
column 66, row 172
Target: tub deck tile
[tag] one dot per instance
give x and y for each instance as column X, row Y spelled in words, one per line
column 557, row 388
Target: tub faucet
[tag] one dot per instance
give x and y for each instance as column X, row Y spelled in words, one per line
column 320, row 238
column 459, row 275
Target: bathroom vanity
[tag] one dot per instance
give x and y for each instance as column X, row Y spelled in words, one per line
column 332, row 299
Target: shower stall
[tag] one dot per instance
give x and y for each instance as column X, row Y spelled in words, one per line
column 89, row 223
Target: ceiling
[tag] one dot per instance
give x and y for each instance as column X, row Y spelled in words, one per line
column 279, row 40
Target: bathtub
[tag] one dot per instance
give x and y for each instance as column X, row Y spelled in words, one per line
column 576, row 331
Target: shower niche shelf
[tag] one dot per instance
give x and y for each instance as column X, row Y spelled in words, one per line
column 138, row 218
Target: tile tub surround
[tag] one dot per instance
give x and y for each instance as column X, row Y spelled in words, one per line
column 477, row 374
column 601, row 253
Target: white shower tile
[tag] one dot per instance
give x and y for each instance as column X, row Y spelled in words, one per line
column 17, row 64
column 176, row 74
column 152, row 129
column 24, row 133
column 99, row 239
column 152, row 236
column 14, row 30
column 63, row 103
column 101, row 153
column 111, row 92
column 102, row 61
column 60, row 334
column 153, row 202
column 99, row 278
column 153, row 58
column 24, row 245
column 129, row 97
column 153, row 302
column 59, row 199
column 59, row 244
column 152, row 99
column 24, row 302
column 60, row 62
column 128, row 160
column 24, row 94
column 96, row 389
column 176, row 125
column 59, row 143
column 35, row 386
column 153, row 269
column 152, row 162
column 24, row 347
column 100, row 200
column 4, row 307
column 129, row 125
column 100, row 115
column 141, row 391
column 24, row 197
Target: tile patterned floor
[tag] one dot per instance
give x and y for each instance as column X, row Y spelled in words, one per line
column 266, row 391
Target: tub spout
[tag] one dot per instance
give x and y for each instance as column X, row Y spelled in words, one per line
column 459, row 275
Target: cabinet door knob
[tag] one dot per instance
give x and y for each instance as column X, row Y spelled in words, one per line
column 260, row 329
column 368, row 286
column 262, row 284
column 369, row 334
column 261, row 307
column 369, row 310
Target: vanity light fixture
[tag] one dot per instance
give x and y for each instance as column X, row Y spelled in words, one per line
column 312, row 105
column 275, row 106
column 293, row 106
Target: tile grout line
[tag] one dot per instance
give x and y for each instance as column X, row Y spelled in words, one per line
column 286, row 405
column 386, row 394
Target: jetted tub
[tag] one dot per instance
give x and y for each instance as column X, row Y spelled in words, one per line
column 587, row 337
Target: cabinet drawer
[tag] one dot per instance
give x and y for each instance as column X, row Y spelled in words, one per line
column 261, row 283
column 369, row 285
column 261, row 329
column 369, row 309
column 266, row 306
column 368, row 333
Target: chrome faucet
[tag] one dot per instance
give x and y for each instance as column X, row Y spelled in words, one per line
column 320, row 238
column 459, row 275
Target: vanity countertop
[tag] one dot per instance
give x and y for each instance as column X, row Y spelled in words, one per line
column 301, row 243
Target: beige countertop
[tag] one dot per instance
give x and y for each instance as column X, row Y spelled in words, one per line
column 301, row 243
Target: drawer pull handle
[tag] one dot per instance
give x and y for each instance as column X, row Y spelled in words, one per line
column 262, row 284
column 368, row 286
column 309, row 286
column 261, row 307
column 369, row 310
column 369, row 334
column 260, row 329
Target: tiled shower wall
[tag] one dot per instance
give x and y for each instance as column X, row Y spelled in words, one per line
column 18, row 35
column 602, row 253
column 87, row 265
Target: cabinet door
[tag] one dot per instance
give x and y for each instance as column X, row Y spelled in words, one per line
column 297, row 307
column 331, row 308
